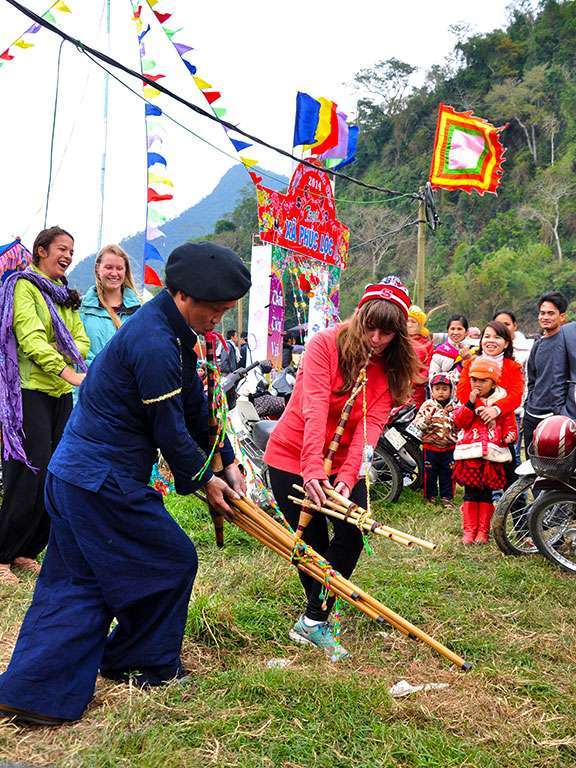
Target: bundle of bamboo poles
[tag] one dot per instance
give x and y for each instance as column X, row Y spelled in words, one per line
column 255, row 521
column 341, row 508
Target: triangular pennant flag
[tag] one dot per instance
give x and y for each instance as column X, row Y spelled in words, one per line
column 150, row 92
column 23, row 44
column 255, row 178
column 6, row 55
column 162, row 17
column 62, row 7
column 155, row 78
column 155, row 217
column 154, row 197
column 152, row 233
column 202, row 84
column 152, row 3
column 219, row 112
column 139, row 25
column 153, row 138
column 190, row 67
column 138, row 12
column 240, row 145
column 152, row 110
column 171, row 32
column 151, row 253
column 212, row 96
column 155, row 178
column 248, row 162
column 154, row 157
column 49, row 17
column 33, row 29
column 151, row 277
column 143, row 34
column 148, row 64
column 182, row 49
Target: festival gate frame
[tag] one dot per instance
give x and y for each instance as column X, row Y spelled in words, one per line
column 295, row 229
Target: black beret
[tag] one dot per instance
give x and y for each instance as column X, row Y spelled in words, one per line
column 207, row 272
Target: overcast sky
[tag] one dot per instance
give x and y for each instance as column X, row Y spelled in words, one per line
column 258, row 54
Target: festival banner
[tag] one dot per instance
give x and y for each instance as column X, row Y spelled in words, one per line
column 25, row 39
column 468, row 153
column 304, row 219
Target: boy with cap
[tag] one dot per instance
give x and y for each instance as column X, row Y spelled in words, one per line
column 114, row 551
column 482, row 449
column 435, row 419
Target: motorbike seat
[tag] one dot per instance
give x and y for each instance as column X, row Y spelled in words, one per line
column 261, row 432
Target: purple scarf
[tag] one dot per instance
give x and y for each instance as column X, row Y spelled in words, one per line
column 10, row 391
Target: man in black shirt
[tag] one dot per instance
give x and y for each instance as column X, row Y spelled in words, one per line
column 547, row 366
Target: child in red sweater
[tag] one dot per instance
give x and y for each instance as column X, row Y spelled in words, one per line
column 482, row 449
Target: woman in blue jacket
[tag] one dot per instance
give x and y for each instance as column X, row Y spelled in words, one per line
column 108, row 303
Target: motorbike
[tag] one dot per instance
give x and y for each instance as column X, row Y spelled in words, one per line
column 400, row 443
column 537, row 513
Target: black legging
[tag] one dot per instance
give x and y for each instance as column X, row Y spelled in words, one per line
column 342, row 552
column 24, row 522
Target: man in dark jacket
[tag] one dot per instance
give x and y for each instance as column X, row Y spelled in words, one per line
column 569, row 334
column 114, row 551
column 547, row 366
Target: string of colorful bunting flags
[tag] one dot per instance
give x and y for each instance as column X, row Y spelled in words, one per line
column 324, row 131
column 210, row 93
column 159, row 185
column 23, row 41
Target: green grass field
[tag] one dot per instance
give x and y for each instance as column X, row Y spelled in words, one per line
column 514, row 619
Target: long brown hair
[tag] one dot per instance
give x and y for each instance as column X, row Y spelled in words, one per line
column 398, row 359
column 128, row 279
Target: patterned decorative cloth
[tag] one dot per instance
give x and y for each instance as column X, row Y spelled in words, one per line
column 10, row 392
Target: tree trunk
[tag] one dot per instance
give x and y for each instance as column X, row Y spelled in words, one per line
column 555, row 231
column 552, row 147
column 531, row 145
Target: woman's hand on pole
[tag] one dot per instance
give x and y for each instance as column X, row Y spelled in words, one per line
column 315, row 492
column 342, row 489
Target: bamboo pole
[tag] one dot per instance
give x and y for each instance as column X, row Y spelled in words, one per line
column 368, row 528
column 269, row 532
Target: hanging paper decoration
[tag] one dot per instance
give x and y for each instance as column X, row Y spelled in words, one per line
column 210, row 93
column 14, row 257
column 24, row 41
column 160, row 186
column 468, row 153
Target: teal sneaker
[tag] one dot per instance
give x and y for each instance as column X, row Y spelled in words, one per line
column 319, row 635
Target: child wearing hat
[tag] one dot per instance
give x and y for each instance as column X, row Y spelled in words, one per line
column 482, row 449
column 435, row 419
column 424, row 348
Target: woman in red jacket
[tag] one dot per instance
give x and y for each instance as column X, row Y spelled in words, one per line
column 496, row 346
column 376, row 338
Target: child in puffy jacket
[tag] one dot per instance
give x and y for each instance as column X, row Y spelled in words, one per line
column 482, row 450
column 435, row 419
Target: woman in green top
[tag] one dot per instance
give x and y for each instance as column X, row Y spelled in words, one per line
column 42, row 341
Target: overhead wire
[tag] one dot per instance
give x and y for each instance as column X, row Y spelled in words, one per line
column 84, row 48
column 261, row 171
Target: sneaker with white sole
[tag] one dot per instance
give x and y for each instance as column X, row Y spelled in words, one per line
column 319, row 635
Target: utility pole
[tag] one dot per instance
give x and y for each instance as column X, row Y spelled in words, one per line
column 421, row 253
column 240, row 327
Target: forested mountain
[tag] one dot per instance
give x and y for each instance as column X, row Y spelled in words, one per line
column 490, row 251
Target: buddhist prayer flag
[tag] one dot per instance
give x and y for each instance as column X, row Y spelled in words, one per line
column 468, row 153
column 307, row 116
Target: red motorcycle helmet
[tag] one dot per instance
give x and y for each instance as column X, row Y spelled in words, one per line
column 554, row 438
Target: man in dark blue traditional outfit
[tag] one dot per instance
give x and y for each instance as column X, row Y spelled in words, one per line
column 114, row 551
